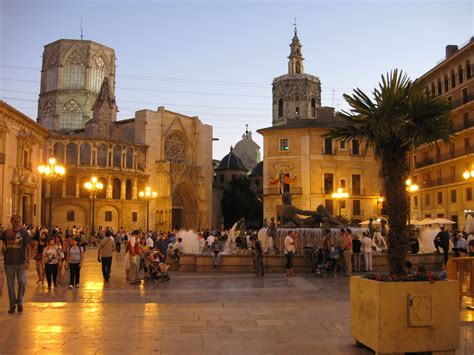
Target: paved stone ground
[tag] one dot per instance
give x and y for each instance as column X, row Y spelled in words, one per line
column 192, row 314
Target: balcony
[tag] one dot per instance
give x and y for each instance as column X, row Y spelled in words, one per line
column 462, row 101
column 3, row 158
column 441, row 181
column 277, row 191
column 444, row 157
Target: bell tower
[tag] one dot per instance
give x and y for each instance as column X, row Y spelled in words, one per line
column 295, row 62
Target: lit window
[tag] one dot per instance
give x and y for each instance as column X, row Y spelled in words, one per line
column 284, row 144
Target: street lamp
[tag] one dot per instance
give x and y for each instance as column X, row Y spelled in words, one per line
column 340, row 195
column 468, row 174
column 380, row 201
column 148, row 195
column 411, row 188
column 93, row 186
column 51, row 172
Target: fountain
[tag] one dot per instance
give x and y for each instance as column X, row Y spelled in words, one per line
column 190, row 241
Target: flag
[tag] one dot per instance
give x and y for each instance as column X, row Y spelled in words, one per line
column 275, row 179
column 288, row 180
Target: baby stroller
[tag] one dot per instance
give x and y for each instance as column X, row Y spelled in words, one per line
column 329, row 266
column 155, row 269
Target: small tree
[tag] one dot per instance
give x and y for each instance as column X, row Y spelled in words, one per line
column 240, row 201
column 401, row 116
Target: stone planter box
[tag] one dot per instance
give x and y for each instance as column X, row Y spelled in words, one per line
column 399, row 317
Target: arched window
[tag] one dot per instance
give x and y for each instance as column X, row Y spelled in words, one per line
column 280, row 108
column 453, row 79
column 175, row 148
column 116, row 189
column 97, row 74
column 298, row 68
column 129, row 159
column 439, row 87
column 117, row 158
column 52, row 73
column 102, row 193
column 71, row 153
column 58, row 152
column 71, row 186
column 313, row 107
column 128, row 190
column 47, row 115
column 85, row 154
column 74, row 72
column 432, row 89
column 26, row 160
column 102, row 155
column 468, row 70
column 71, row 115
column 446, row 83
column 460, row 75
column 83, row 192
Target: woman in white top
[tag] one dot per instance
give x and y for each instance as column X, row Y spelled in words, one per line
column 367, row 251
column 289, row 251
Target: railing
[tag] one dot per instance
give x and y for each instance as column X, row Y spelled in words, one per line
column 443, row 157
column 277, row 191
column 462, row 269
column 463, row 125
column 3, row 158
column 441, row 181
column 462, row 101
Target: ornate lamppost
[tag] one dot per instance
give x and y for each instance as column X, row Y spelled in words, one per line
column 93, row 186
column 411, row 188
column 340, row 195
column 51, row 172
column 468, row 174
column 380, row 201
column 148, row 195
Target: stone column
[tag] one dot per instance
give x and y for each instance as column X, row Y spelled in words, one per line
column 123, row 188
column 109, row 188
column 78, row 185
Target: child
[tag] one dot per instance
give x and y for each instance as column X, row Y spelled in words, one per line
column 178, row 249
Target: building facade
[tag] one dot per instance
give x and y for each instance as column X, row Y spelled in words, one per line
column 21, row 152
column 167, row 151
column 298, row 158
column 438, row 168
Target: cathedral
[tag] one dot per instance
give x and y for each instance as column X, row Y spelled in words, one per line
column 166, row 151
column 300, row 160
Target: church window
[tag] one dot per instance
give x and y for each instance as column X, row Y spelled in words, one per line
column 74, row 72
column 47, row 115
column 284, row 144
column 85, row 158
column 71, row 186
column 313, row 107
column 129, row 158
column 280, row 108
column 98, row 73
column 468, row 70
column 175, row 148
column 298, row 68
column 460, row 75
column 117, row 161
column 71, row 153
column 71, row 116
column 102, row 155
column 58, row 152
column 116, row 189
column 52, row 74
column 128, row 190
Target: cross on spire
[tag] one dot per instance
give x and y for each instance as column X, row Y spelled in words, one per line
column 296, row 29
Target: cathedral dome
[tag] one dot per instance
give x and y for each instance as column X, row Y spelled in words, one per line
column 257, row 169
column 247, row 150
column 231, row 162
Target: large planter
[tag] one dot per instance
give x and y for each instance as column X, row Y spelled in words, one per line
column 399, row 317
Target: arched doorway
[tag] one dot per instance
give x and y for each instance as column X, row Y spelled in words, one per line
column 184, row 212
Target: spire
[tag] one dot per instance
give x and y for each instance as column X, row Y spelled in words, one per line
column 104, row 109
column 295, row 63
column 105, row 96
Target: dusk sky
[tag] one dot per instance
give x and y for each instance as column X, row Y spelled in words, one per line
column 216, row 60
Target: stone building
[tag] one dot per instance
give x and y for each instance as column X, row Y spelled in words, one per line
column 168, row 151
column 438, row 168
column 71, row 76
column 21, row 152
column 300, row 160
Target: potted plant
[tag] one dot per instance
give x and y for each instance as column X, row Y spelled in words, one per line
column 390, row 316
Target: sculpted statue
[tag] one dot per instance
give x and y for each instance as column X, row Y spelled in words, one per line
column 289, row 216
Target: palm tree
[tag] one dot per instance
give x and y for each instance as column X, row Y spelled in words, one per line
column 399, row 117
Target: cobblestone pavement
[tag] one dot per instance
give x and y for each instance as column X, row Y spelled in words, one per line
column 192, row 314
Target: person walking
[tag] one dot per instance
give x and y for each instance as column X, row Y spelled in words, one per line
column 75, row 256
column 442, row 240
column 289, row 251
column 104, row 255
column 51, row 256
column 257, row 256
column 367, row 251
column 38, row 256
column 134, row 257
column 347, row 246
column 118, row 241
column 16, row 252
